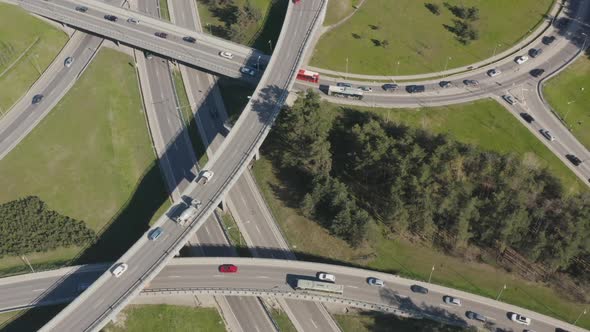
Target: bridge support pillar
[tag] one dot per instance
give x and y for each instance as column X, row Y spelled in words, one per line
column 257, row 155
column 223, row 206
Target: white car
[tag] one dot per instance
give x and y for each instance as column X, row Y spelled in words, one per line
column 375, row 282
column 132, row 20
column 494, row 72
column 547, row 134
column 509, row 99
column 227, row 55
column 205, row 176
column 326, row 277
column 452, row 300
column 520, row 319
column 521, row 59
column 118, row 270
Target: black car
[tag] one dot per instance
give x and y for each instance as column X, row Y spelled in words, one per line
column 37, row 99
column 575, row 160
column 419, row 289
column 537, row 72
column 535, row 52
column 389, row 87
column 111, row 18
column 82, row 9
column 527, row 117
column 343, row 84
column 415, row 88
column 471, row 82
column 445, row 84
column 189, row 39
column 475, row 316
column 548, row 40
column 161, row 35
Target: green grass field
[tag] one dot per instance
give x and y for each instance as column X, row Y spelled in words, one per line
column 164, row 12
column 337, row 10
column 569, row 95
column 18, row 31
column 144, row 318
column 418, row 39
column 397, row 255
column 488, row 125
column 282, row 320
column 235, row 236
column 91, row 157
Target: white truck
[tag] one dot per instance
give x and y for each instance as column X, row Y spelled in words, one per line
column 204, row 177
column 190, row 211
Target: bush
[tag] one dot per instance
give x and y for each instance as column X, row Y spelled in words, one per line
column 28, row 225
column 433, row 8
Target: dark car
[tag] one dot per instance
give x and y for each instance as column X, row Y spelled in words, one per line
column 415, row 88
column 37, row 99
column 535, row 52
column 475, row 316
column 389, row 87
column 527, row 117
column 471, row 82
column 574, row 160
column 81, row 9
column 189, row 39
column 343, row 84
column 111, row 18
column 419, row 289
column 548, row 40
column 155, row 233
column 445, row 84
column 537, row 72
column 161, row 35
column 228, row 268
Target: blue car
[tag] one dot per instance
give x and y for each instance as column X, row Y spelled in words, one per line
column 155, row 233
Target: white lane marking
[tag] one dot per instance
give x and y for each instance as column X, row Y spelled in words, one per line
column 314, row 324
column 258, row 229
column 174, row 277
column 262, row 277
column 351, row 286
column 38, row 290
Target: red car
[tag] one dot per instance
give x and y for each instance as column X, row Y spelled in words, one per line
column 296, row 1
column 228, row 268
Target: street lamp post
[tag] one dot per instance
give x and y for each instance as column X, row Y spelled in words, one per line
column 270, row 43
column 582, row 313
column 397, row 69
column 500, row 294
column 431, row 271
column 258, row 63
column 446, row 65
column 495, row 48
column 346, row 76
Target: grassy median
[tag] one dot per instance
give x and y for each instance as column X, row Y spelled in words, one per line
column 386, row 252
column 161, row 317
column 91, row 158
column 27, row 46
column 569, row 95
column 383, row 32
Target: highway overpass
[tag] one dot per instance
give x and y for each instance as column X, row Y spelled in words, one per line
column 108, row 295
column 270, row 277
column 204, row 53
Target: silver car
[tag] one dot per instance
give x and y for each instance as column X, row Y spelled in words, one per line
column 68, row 62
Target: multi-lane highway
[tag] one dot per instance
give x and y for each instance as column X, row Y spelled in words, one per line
column 108, row 295
column 269, row 277
column 203, row 53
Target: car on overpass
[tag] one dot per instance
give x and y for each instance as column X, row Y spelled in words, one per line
column 494, row 72
column 111, row 18
column 520, row 319
column 155, row 233
column 161, row 34
column 573, row 159
column 415, row 88
column 537, row 72
column 323, row 276
column 419, row 289
column 82, row 9
column 119, row 269
column 248, row 71
column 452, row 300
column 68, row 62
column 445, row 84
column 228, row 268
column 509, row 99
column 475, row 316
column 226, row 55
column 470, row 82
column 375, row 282
column 189, row 39
column 132, row 20
column 390, row 87
column 521, row 59
column 527, row 117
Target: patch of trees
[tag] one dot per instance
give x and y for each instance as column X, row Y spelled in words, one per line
column 237, row 19
column 462, row 27
column 358, row 168
column 28, row 225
